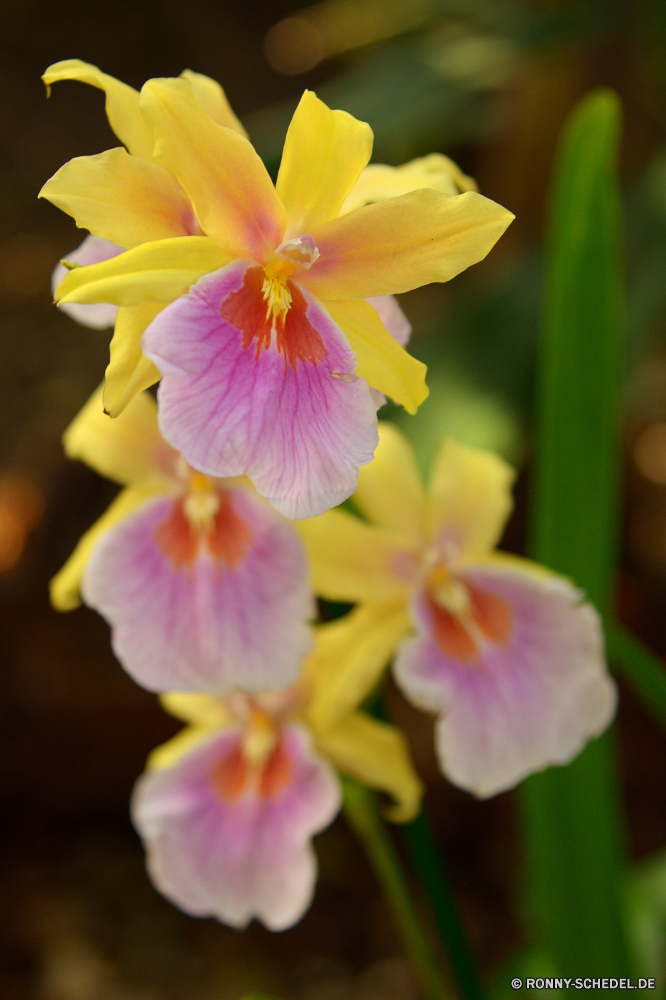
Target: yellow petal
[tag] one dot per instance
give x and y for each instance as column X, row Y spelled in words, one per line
column 387, row 366
column 376, row 754
column 169, row 753
column 324, row 153
column 349, row 657
column 129, row 372
column 353, row 561
column 507, row 560
column 196, row 708
column 205, row 715
column 122, row 103
column 154, row 272
column 65, row 585
column 213, row 100
column 127, row 450
column 470, row 497
column 389, row 491
column 402, row 243
column 379, row 181
column 121, row 198
column 230, row 189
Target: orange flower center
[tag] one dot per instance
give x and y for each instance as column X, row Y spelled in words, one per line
column 465, row 619
column 258, row 764
column 272, row 309
column 203, row 519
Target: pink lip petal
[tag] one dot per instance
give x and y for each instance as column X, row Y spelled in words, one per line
column 523, row 704
column 246, row 857
column 93, row 250
column 188, row 621
column 294, row 428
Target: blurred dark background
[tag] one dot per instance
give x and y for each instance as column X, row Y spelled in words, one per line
column 489, row 83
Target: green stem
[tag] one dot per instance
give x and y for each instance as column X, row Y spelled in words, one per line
column 433, row 876
column 643, row 670
column 362, row 814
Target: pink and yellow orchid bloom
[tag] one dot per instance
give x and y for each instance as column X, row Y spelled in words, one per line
column 227, row 809
column 266, row 346
column 507, row 653
column 131, row 182
column 124, row 198
column 205, row 586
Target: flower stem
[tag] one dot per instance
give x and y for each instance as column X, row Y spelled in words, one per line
column 434, row 879
column 362, row 813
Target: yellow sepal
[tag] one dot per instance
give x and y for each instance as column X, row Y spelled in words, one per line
column 65, row 585
column 155, row 272
column 129, row 372
column 127, row 450
column 122, row 103
column 385, row 364
column 350, row 656
column 470, row 497
column 403, row 243
column 353, row 561
column 378, row 181
column 375, row 753
column 121, row 198
column 324, row 152
column 205, row 716
column 389, row 491
column 230, row 189
column 213, row 100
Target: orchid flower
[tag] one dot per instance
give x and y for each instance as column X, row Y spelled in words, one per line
column 228, row 807
column 508, row 654
column 75, row 188
column 205, row 586
column 266, row 347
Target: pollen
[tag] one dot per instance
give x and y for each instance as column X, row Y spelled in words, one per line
column 201, row 504
column 278, row 299
column 289, row 256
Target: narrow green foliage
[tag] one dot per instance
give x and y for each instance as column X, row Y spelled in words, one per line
column 572, row 820
column 642, row 669
column 434, row 879
column 362, row 814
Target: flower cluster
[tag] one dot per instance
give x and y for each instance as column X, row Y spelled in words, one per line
column 266, row 314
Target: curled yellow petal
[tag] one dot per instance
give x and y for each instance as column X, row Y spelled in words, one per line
column 389, row 491
column 324, row 152
column 228, row 185
column 127, row 450
column 353, row 561
column 154, row 272
column 379, row 181
column 385, row 364
column 470, row 497
column 122, row 198
column 349, row 657
column 122, row 103
column 403, row 243
column 213, row 100
column 376, row 753
column 65, row 585
column 129, row 372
